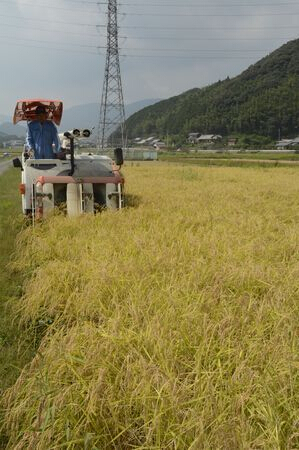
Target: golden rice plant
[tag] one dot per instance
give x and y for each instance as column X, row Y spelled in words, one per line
column 172, row 324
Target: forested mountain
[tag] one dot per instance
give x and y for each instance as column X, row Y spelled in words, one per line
column 264, row 99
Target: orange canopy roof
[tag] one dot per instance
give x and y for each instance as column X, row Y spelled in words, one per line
column 25, row 110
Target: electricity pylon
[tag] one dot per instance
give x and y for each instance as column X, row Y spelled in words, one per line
column 112, row 111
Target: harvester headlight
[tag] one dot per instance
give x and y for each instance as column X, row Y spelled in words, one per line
column 86, row 133
column 75, row 132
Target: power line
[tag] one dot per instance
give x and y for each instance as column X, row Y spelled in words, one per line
column 199, row 28
column 133, row 27
column 186, row 57
column 145, row 27
column 74, row 1
column 10, row 43
column 51, row 30
column 87, row 2
column 157, row 14
column 49, row 7
column 179, row 5
column 123, row 50
column 176, row 38
column 194, row 50
column 50, row 21
column 200, row 5
column 203, row 5
column 170, row 38
column 131, row 38
column 211, row 15
column 156, row 28
column 51, row 42
column 143, row 49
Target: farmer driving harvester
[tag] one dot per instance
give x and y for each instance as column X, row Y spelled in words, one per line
column 42, row 141
column 42, row 136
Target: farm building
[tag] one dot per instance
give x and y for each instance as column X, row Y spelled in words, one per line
column 287, row 143
column 192, row 137
column 195, row 138
column 208, row 138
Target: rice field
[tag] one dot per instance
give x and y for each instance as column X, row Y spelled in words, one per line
column 172, row 324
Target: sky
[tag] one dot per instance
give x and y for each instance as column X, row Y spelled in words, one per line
column 56, row 48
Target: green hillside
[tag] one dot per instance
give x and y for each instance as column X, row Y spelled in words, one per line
column 264, row 100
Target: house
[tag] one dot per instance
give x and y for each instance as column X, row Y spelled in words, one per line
column 141, row 142
column 158, row 144
column 149, row 142
column 208, row 138
column 195, row 138
column 192, row 137
column 284, row 143
column 149, row 139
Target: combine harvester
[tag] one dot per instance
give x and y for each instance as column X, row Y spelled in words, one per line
column 78, row 183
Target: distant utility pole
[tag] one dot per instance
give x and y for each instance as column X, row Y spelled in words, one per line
column 112, row 111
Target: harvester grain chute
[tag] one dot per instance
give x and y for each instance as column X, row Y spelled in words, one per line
column 78, row 183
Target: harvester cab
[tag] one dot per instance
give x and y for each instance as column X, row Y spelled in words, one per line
column 76, row 183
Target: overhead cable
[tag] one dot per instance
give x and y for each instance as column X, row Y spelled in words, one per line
column 85, row 52
column 50, row 21
column 210, row 15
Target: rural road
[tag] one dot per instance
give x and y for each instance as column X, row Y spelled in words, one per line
column 5, row 165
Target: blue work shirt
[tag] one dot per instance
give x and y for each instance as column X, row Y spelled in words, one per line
column 41, row 137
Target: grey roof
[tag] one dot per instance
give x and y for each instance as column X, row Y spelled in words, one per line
column 284, row 143
column 205, row 137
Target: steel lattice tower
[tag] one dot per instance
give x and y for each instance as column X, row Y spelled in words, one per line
column 112, row 111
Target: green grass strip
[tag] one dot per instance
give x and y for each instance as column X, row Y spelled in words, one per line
column 13, row 356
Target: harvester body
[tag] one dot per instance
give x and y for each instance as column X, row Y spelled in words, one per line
column 48, row 184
